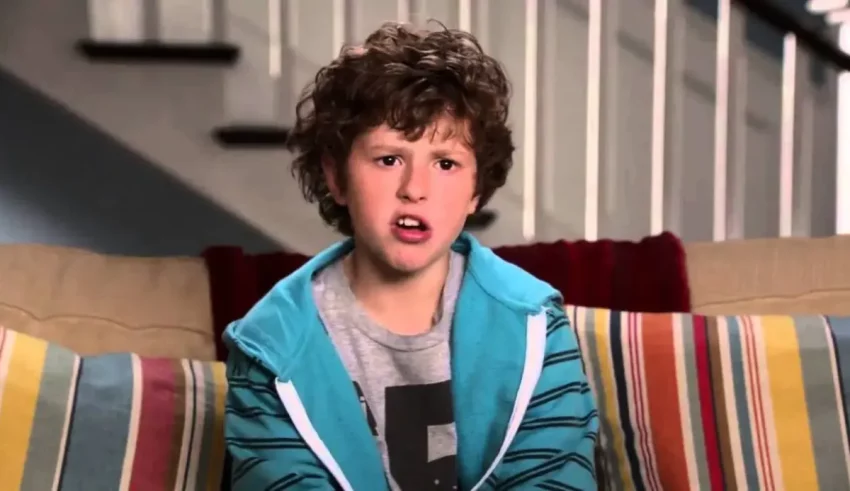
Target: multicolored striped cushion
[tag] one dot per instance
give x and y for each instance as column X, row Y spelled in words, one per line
column 693, row 402
column 109, row 422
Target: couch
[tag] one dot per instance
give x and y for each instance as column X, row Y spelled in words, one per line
column 159, row 309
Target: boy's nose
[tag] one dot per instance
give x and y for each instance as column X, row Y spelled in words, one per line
column 415, row 184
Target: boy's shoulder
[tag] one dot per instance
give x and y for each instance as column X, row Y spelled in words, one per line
column 504, row 281
column 276, row 327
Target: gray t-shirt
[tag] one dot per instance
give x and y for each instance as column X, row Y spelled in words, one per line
column 404, row 382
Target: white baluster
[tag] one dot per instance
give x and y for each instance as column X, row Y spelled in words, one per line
column 787, row 147
column 404, row 11
column 594, row 119
column 275, row 38
column 723, row 83
column 464, row 15
column 661, row 36
column 340, row 25
column 529, row 158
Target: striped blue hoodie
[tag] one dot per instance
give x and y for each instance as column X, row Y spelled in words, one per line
column 524, row 414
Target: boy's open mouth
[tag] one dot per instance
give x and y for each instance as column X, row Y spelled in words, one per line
column 409, row 222
column 411, row 229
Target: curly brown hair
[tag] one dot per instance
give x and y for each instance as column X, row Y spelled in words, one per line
column 404, row 78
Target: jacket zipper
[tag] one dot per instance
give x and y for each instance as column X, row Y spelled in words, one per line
column 535, row 351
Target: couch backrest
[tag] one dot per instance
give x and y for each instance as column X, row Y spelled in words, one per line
column 771, row 276
column 94, row 303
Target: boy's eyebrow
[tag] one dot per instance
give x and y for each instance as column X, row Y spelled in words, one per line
column 384, row 148
column 454, row 152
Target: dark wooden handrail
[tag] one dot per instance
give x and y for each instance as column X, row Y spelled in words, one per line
column 807, row 35
column 146, row 51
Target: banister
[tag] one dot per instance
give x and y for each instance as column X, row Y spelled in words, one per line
column 807, row 34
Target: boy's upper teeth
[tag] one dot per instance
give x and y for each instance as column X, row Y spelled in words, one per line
column 408, row 222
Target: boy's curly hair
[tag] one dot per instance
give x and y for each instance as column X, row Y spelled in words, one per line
column 406, row 79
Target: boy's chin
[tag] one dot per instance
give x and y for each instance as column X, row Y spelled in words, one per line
column 411, row 261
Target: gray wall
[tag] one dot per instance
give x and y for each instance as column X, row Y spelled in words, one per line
column 64, row 182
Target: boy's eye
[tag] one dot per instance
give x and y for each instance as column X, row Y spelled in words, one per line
column 389, row 160
column 446, row 164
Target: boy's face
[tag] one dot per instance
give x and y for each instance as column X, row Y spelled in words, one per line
column 408, row 200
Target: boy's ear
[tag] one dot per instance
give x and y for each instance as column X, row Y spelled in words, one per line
column 333, row 179
column 473, row 205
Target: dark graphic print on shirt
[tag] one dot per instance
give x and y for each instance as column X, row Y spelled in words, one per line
column 410, row 410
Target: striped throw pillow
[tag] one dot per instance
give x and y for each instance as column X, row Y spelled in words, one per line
column 696, row 402
column 109, row 422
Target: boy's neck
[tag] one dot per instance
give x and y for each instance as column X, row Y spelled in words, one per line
column 403, row 304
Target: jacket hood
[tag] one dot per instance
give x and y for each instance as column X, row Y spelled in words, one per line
column 279, row 328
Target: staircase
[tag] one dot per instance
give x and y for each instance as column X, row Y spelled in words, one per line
column 165, row 111
column 209, row 102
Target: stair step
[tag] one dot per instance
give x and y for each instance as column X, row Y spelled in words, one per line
column 207, row 53
column 251, row 136
column 480, row 220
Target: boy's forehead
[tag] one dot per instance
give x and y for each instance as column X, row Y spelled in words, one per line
column 444, row 129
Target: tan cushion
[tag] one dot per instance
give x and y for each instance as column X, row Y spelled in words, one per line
column 94, row 303
column 770, row 276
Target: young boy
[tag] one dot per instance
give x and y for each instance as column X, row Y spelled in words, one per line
column 409, row 356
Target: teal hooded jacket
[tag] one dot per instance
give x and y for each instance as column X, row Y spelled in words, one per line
column 524, row 413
